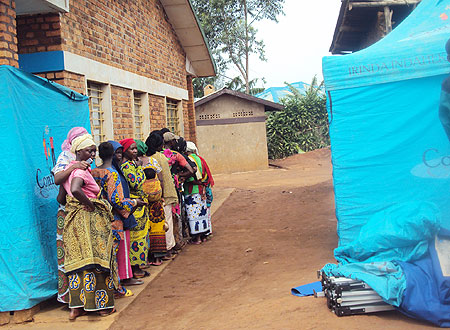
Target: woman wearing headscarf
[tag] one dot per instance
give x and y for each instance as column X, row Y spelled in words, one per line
column 125, row 273
column 135, row 177
column 110, row 185
column 180, row 169
column 207, row 181
column 88, row 239
column 62, row 171
column 159, row 238
column 195, row 198
column 155, row 145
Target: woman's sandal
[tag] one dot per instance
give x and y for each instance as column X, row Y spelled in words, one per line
column 154, row 263
column 107, row 312
column 80, row 312
column 146, row 266
column 132, row 281
column 169, row 256
column 145, row 274
column 123, row 294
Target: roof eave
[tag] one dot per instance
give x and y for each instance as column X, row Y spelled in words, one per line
column 192, row 38
column 268, row 105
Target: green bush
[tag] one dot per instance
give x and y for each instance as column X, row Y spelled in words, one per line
column 302, row 126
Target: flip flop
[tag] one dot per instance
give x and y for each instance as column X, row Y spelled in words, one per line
column 105, row 313
column 154, row 263
column 126, row 293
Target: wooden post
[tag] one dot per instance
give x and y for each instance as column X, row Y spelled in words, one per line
column 388, row 19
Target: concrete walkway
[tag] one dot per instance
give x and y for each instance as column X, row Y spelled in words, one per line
column 54, row 315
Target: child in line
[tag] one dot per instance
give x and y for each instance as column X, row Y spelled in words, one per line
column 157, row 235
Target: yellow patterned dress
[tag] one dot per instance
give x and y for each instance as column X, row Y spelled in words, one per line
column 138, row 235
column 88, row 261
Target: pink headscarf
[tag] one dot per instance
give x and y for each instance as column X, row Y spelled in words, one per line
column 73, row 133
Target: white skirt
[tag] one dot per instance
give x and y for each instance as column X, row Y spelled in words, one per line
column 197, row 214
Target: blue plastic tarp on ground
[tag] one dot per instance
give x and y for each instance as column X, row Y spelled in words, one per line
column 427, row 292
column 307, row 289
column 390, row 153
column 33, row 112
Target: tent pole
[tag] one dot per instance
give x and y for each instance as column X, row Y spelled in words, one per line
column 388, row 19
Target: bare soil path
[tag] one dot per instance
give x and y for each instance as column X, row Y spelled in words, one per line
column 272, row 234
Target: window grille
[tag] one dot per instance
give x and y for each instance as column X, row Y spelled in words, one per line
column 138, row 118
column 96, row 113
column 210, row 116
column 173, row 120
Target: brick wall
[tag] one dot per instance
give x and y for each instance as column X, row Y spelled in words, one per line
column 190, row 111
column 187, row 130
column 121, row 111
column 71, row 80
column 8, row 34
column 39, row 33
column 156, row 106
column 133, row 35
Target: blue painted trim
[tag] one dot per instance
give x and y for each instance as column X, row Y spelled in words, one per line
column 42, row 62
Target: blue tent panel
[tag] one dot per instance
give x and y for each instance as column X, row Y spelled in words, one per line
column 35, row 116
column 275, row 94
column 390, row 153
column 388, row 145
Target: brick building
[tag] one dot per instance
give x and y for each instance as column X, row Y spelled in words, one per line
column 135, row 59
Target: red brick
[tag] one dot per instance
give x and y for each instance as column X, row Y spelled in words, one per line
column 52, row 33
column 6, row 37
column 52, row 18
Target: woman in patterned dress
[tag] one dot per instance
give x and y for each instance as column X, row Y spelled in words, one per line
column 134, row 174
column 108, row 179
column 157, row 236
column 62, row 171
column 88, row 239
column 195, row 199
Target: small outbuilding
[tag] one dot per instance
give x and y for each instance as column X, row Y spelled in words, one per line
column 231, row 131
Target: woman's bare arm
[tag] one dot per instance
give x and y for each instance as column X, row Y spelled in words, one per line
column 79, row 194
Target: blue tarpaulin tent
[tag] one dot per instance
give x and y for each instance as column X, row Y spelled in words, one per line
column 35, row 116
column 275, row 94
column 390, row 154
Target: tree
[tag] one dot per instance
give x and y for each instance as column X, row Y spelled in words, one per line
column 237, row 84
column 228, row 26
column 302, row 126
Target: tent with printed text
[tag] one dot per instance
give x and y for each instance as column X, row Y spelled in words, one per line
column 391, row 164
column 35, row 116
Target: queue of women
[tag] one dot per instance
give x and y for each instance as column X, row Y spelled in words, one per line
column 134, row 211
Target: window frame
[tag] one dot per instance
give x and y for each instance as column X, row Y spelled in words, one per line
column 96, row 108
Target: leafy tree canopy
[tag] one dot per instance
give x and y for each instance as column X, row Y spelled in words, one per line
column 228, row 26
column 302, row 126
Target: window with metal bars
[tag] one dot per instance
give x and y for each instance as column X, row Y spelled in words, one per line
column 96, row 112
column 173, row 119
column 138, row 117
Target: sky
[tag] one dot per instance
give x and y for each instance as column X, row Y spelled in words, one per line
column 296, row 44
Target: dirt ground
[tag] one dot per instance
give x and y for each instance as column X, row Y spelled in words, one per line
column 273, row 233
